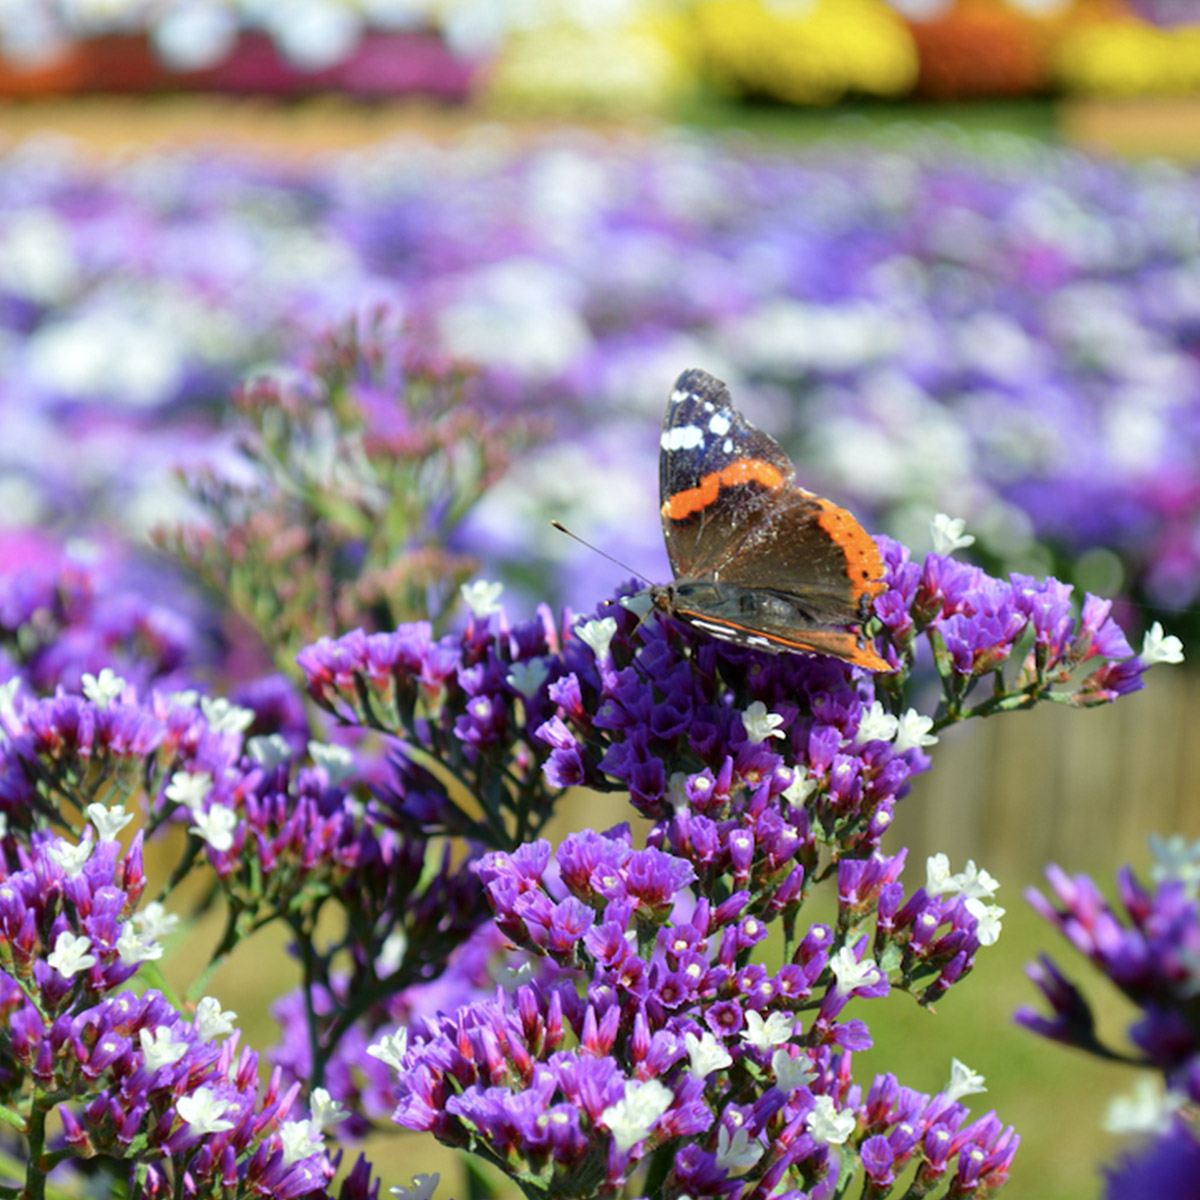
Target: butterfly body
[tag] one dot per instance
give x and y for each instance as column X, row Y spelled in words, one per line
column 757, row 560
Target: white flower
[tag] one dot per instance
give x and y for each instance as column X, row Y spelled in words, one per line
column 482, row 597
column 189, row 788
column 423, row 1187
column 134, row 948
column 203, row 1112
column 526, row 677
column 802, row 786
column 72, row 858
column 598, row 635
column 225, row 717
column 973, row 882
column 987, row 920
column 216, row 827
column 913, row 731
column 851, row 974
column 108, row 822
column 1175, row 858
column 187, row 698
column 300, row 1140
column 761, row 724
column 210, row 1022
column 154, row 921
column 738, row 1152
column 336, row 761
column 70, row 954
column 705, row 1054
column 877, row 725
column 634, row 1116
column 1159, row 647
column 774, row 1031
column 104, row 688
column 1147, row 1109
column 269, row 750
column 391, row 1048
column 324, row 1110
column 948, row 536
column 159, row 1049
column 827, row 1125
column 791, row 1073
column 963, row 1081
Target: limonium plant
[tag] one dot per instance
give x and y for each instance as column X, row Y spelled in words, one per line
column 645, row 1010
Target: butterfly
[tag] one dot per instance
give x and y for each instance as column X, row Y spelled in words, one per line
column 757, row 560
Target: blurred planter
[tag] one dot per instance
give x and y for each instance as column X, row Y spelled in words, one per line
column 63, row 75
column 382, row 64
column 980, row 50
column 811, row 54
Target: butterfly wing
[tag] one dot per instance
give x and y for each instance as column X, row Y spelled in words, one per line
column 716, row 474
column 756, row 559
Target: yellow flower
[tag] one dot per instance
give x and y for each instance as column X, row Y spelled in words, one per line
column 1126, row 58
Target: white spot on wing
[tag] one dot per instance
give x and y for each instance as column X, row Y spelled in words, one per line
column 719, row 425
column 682, row 437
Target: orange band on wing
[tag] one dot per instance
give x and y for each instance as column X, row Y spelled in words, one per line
column 863, row 562
column 745, row 470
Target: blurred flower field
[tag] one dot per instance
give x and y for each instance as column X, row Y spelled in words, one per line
column 1006, row 332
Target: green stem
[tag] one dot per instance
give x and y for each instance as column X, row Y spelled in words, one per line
column 35, row 1173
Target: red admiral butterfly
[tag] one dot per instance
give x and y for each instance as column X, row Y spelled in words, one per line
column 757, row 561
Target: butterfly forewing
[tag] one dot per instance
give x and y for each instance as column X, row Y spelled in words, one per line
column 715, row 473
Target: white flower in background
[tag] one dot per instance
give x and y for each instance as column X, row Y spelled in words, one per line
column 482, row 597
column 154, row 921
column 738, row 1152
column 963, row 1081
column 300, row 1140
column 71, row 954
column 634, row 1116
column 336, row 761
column 391, row 1048
column 827, row 1125
column 210, row 1022
column 108, row 822
column 527, row 677
column 791, row 1073
column 269, row 750
column 761, row 724
column 913, row 730
column 774, row 1031
column 223, row 716
column 598, row 634
column 324, row 1109
column 216, row 827
column 203, row 1112
column 8, row 700
column 104, row 688
column 71, row 856
column 876, row 725
column 189, row 788
column 159, row 1049
column 705, row 1054
column 134, row 947
column 948, row 536
column 1160, row 647
column 972, row 881
column 314, row 34
column 1145, row 1110
column 851, row 974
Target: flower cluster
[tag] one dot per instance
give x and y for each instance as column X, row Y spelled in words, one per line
column 663, row 1045
column 1148, row 946
column 129, row 1076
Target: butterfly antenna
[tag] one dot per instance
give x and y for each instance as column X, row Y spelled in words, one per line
column 596, row 549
